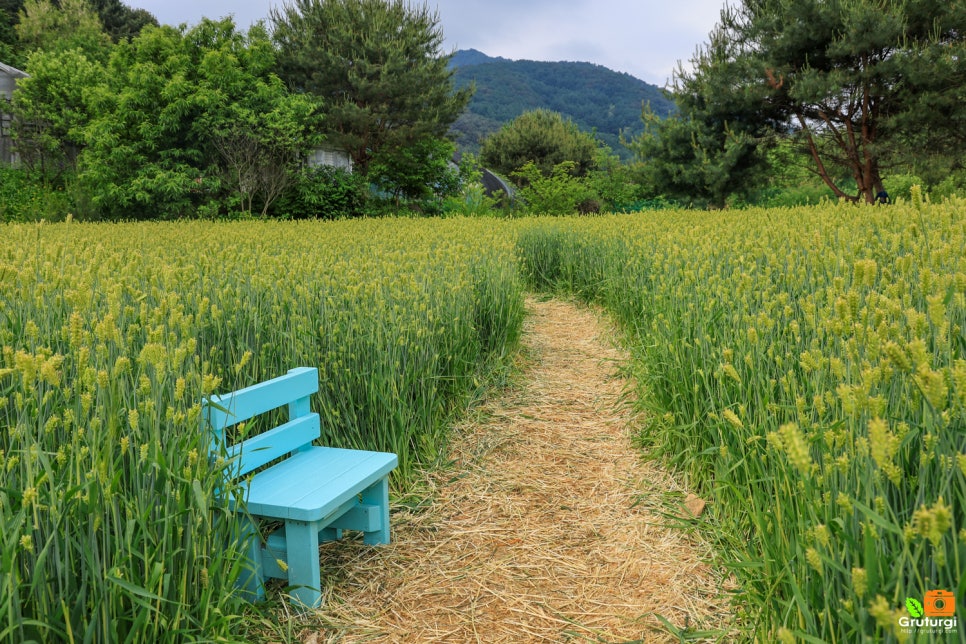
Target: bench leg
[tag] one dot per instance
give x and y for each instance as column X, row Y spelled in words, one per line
column 302, row 546
column 378, row 495
column 330, row 534
column 251, row 580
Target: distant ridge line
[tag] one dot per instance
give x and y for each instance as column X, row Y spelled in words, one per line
column 596, row 98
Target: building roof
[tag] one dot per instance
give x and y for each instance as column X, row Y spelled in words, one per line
column 12, row 71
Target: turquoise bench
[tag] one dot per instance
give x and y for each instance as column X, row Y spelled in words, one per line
column 316, row 491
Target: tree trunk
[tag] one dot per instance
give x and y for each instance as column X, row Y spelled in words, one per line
column 819, row 164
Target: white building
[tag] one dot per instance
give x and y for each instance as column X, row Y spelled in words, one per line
column 8, row 83
column 330, row 156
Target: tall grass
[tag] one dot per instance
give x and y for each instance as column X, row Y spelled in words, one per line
column 806, row 369
column 112, row 334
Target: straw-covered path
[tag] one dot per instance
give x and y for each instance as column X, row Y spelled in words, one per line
column 546, row 528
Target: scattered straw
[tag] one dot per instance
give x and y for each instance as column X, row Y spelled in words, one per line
column 537, row 533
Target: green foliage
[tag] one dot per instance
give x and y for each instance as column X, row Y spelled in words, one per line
column 379, row 69
column 52, row 108
column 193, row 119
column 120, row 20
column 597, row 99
column 145, row 147
column 10, row 53
column 471, row 198
column 69, row 24
column 561, row 193
column 471, row 201
column 785, row 197
column 833, row 80
column 324, row 192
column 117, row 19
column 790, row 180
column 899, row 186
column 705, row 153
column 952, row 185
column 855, row 82
column 615, row 184
column 23, row 198
column 262, row 139
column 420, row 172
column 542, row 138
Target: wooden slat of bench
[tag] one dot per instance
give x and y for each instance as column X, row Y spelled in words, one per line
column 309, row 485
column 266, row 447
column 265, row 396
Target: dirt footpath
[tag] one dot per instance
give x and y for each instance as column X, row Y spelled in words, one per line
column 547, row 527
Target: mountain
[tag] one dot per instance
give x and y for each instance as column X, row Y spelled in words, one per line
column 467, row 57
column 594, row 97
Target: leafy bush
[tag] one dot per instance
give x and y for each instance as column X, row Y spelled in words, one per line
column 471, row 198
column 952, row 185
column 419, row 173
column 24, row 199
column 471, row 201
column 791, row 196
column 561, row 193
column 543, row 138
column 899, row 186
column 324, row 192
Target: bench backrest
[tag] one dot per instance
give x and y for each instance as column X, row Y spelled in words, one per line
column 294, row 390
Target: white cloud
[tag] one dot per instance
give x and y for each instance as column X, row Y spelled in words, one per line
column 644, row 38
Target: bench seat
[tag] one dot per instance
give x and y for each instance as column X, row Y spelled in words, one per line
column 311, row 485
column 281, row 475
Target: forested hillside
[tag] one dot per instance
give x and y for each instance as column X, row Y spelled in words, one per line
column 594, row 97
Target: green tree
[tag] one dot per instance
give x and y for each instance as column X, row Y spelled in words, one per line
column 118, row 20
column 121, row 21
column 73, row 24
column 377, row 65
column 695, row 159
column 541, row 137
column 855, row 81
column 421, row 172
column 262, row 144
column 180, row 117
column 324, row 192
column 559, row 193
column 715, row 145
column 52, row 107
column 614, row 183
column 9, row 12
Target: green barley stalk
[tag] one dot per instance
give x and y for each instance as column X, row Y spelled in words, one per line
column 113, row 334
column 806, row 371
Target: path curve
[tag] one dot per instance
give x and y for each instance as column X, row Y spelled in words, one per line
column 546, row 527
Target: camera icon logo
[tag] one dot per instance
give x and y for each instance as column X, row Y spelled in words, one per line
column 939, row 603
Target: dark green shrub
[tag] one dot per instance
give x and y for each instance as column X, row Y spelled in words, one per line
column 324, row 192
column 24, row 199
column 561, row 193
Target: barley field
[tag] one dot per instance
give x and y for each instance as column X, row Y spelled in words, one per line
column 806, row 369
column 111, row 334
column 803, row 369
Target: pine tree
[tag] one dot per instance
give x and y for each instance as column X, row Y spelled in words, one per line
column 855, row 81
column 378, row 67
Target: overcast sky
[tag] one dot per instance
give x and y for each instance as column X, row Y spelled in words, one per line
column 645, row 38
